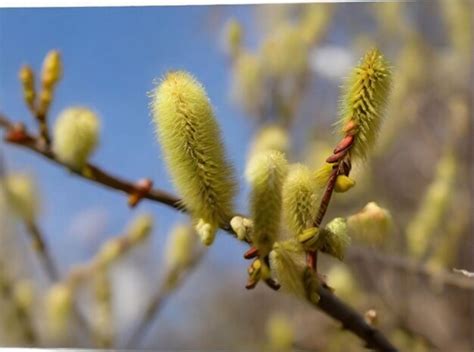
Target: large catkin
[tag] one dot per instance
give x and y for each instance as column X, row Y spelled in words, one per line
column 193, row 151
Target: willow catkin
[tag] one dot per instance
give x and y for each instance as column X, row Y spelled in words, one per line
column 265, row 173
column 364, row 100
column 193, row 150
column 180, row 246
column 372, row 225
column 76, row 136
column 299, row 199
column 270, row 137
column 22, row 195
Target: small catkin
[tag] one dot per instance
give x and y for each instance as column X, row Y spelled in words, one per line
column 287, row 263
column 193, row 150
column 52, row 69
column 233, row 34
column 59, row 308
column 299, row 199
column 180, row 246
column 265, row 173
column 22, row 195
column 140, row 228
column 364, row 99
column 76, row 136
column 372, row 225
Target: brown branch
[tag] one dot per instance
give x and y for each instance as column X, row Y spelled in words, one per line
column 328, row 303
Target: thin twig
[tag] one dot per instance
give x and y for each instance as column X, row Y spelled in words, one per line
column 328, row 303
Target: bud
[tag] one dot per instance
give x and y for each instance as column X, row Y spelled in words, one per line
column 76, row 135
column 242, row 227
column 299, row 199
column 364, row 100
column 27, row 79
column 52, row 69
column 58, row 308
column 140, row 228
column 371, row 225
column 343, row 184
column 265, row 173
column 206, row 231
column 193, row 150
column 22, row 195
column 180, row 246
column 280, row 333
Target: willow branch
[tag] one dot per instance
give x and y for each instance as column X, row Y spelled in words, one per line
column 410, row 266
column 328, row 302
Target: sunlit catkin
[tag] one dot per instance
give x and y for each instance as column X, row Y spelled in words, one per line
column 76, row 135
column 334, row 238
column 265, row 173
column 299, row 199
column 140, row 228
column 59, row 308
column 193, row 150
column 364, row 99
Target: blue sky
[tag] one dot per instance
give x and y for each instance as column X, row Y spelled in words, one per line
column 111, row 57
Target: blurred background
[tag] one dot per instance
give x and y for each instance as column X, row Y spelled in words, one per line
column 273, row 74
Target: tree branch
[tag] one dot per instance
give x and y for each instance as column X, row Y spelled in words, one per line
column 328, row 302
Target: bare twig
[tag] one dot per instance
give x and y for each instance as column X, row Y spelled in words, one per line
column 328, row 303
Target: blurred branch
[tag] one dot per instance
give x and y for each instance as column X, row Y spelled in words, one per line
column 410, row 266
column 171, row 282
column 328, row 302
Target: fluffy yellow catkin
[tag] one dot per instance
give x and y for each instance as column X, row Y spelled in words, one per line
column 265, row 173
column 287, row 263
column 76, row 135
column 193, row 150
column 363, row 104
column 299, row 199
column 22, row 195
column 180, row 246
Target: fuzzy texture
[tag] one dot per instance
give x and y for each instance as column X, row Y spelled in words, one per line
column 22, row 195
column 299, row 199
column 287, row 263
column 193, row 150
column 364, row 100
column 180, row 246
column 321, row 176
column 76, row 135
column 265, row 173
column 334, row 238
